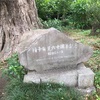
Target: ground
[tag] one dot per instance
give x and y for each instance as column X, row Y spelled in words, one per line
column 2, row 85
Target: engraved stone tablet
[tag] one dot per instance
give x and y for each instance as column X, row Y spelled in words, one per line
column 45, row 49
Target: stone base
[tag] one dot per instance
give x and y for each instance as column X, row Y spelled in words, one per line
column 81, row 77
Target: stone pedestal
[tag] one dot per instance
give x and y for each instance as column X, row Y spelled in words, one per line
column 85, row 78
column 82, row 77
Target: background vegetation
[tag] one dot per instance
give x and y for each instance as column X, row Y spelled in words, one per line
column 82, row 14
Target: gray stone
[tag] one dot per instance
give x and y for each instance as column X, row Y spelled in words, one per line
column 81, row 77
column 45, row 49
column 60, row 76
column 85, row 78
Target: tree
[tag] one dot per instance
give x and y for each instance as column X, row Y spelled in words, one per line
column 16, row 17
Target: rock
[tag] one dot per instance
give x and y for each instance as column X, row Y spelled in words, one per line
column 81, row 77
column 85, row 78
column 45, row 49
column 61, row 76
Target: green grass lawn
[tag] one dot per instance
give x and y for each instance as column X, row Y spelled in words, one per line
column 17, row 90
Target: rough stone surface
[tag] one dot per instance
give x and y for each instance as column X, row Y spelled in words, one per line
column 46, row 49
column 68, row 78
column 85, row 78
column 81, row 77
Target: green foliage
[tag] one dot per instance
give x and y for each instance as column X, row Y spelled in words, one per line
column 13, row 60
column 63, row 8
column 97, row 97
column 97, row 79
column 79, row 14
column 17, row 90
column 56, row 23
column 94, row 11
column 46, row 8
column 96, row 53
column 50, row 9
column 14, row 69
column 52, row 23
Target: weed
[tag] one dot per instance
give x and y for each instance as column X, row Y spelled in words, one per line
column 97, row 79
column 14, row 69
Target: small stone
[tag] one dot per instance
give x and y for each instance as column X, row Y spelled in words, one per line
column 85, row 78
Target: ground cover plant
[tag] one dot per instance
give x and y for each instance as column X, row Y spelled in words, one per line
column 14, row 69
column 17, row 90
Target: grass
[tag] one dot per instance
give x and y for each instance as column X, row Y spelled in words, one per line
column 17, row 90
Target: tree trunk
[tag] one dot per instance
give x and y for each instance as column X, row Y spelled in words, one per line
column 16, row 17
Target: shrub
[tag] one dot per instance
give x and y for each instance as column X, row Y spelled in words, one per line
column 50, row 9
column 46, row 8
column 52, row 23
column 79, row 13
column 14, row 69
column 94, row 13
column 56, row 23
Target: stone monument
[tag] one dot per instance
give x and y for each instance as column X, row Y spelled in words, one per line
column 50, row 56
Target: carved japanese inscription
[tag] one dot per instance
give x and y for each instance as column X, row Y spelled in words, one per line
column 52, row 49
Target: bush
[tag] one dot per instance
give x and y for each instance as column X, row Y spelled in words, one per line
column 14, row 69
column 52, row 23
column 17, row 90
column 82, row 14
column 56, row 23
column 46, row 8
column 50, row 9
column 94, row 14
column 79, row 14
